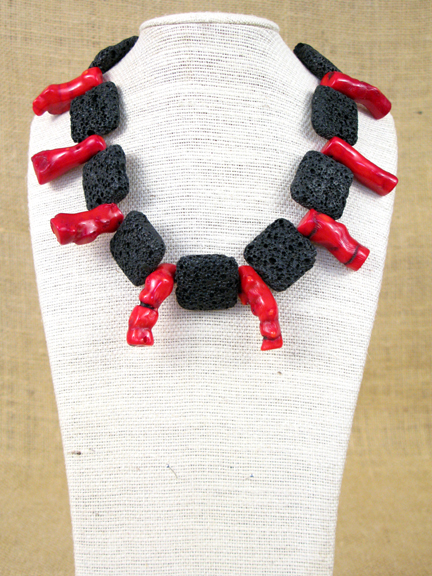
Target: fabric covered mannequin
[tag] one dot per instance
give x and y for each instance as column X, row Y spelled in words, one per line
column 202, row 455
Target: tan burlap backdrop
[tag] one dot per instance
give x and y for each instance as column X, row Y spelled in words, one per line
column 385, row 515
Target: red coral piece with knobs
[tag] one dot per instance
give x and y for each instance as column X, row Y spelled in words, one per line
column 361, row 92
column 84, row 227
column 50, row 164
column 254, row 291
column 158, row 286
column 334, row 236
column 56, row 98
column 364, row 170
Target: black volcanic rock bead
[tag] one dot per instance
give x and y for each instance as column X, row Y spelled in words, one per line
column 334, row 114
column 314, row 61
column 280, row 254
column 104, row 177
column 95, row 112
column 207, row 282
column 322, row 183
column 137, row 247
column 111, row 55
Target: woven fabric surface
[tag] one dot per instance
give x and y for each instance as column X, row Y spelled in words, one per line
column 390, row 448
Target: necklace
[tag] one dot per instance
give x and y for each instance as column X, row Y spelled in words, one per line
column 276, row 258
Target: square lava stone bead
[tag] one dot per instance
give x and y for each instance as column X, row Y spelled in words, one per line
column 104, row 177
column 95, row 112
column 334, row 114
column 137, row 247
column 207, row 282
column 322, row 183
column 280, row 254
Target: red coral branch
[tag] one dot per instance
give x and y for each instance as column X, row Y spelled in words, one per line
column 254, row 291
column 158, row 286
column 50, row 164
column 335, row 237
column 84, row 227
column 361, row 92
column 56, row 98
column 364, row 170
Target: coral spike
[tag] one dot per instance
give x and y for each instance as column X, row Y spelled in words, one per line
column 361, row 92
column 50, row 164
column 334, row 236
column 254, row 291
column 84, row 227
column 56, row 98
column 364, row 170
column 158, row 286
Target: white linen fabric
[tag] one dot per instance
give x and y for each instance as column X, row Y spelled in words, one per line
column 203, row 455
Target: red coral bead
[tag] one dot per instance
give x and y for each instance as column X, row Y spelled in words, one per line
column 361, row 92
column 158, row 286
column 50, row 164
column 334, row 236
column 56, row 98
column 364, row 170
column 84, row 227
column 254, row 291
column 141, row 322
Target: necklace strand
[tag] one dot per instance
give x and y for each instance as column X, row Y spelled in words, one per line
column 276, row 258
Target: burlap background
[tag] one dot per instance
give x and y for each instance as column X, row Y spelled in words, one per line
column 385, row 515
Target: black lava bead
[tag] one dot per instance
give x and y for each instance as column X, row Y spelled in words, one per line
column 280, row 254
column 207, row 282
column 334, row 114
column 322, row 183
column 104, row 177
column 111, row 55
column 314, row 61
column 95, row 112
column 137, row 247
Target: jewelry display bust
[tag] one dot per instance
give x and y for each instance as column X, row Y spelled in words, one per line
column 203, row 455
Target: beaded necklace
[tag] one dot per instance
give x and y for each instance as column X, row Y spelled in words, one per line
column 276, row 258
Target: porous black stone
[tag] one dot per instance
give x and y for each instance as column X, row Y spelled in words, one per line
column 137, row 247
column 280, row 254
column 111, row 55
column 104, row 177
column 334, row 114
column 314, row 61
column 322, row 183
column 207, row 282
column 95, row 112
